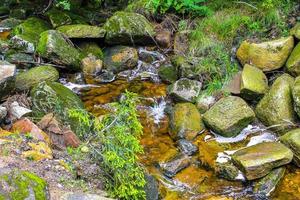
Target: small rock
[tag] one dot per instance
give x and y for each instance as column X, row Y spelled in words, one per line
column 58, row 18
column 17, row 112
column 174, row 166
column 82, row 31
column 91, row 65
column 229, row 116
column 84, row 149
column 204, row 103
column 234, row 85
column 88, row 48
column 227, row 171
column 168, row 73
column 151, row 188
column 7, row 78
column 258, row 160
column 293, row 63
column 292, row 140
column 3, row 113
column 164, row 38
column 70, row 138
column 295, row 31
column 106, row 77
column 187, row 147
column 185, row 90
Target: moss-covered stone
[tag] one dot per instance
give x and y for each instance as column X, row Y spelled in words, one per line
column 293, row 63
column 128, row 28
column 27, row 80
column 254, row 83
column 296, row 95
column 295, row 31
column 227, row 171
column 185, row 121
column 82, row 31
column 186, row 68
column 168, row 73
column 267, row 56
column 276, row 107
column 90, row 48
column 185, row 90
column 22, row 185
column 26, row 35
column 10, row 23
column 292, row 140
column 58, row 18
column 229, row 116
column 258, row 160
column 20, row 59
column 4, row 46
column 53, row 46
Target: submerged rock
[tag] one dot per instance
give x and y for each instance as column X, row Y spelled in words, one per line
column 120, row 58
column 267, row 56
column 254, row 83
column 7, row 78
column 185, row 90
column 22, row 185
column 174, row 166
column 128, row 28
column 276, row 107
column 293, row 63
column 32, row 77
column 229, row 116
column 292, row 140
column 82, row 31
column 258, row 160
column 295, row 31
column 53, row 46
column 26, row 35
column 267, row 184
column 185, row 121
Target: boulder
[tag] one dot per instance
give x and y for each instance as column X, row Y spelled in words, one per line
column 229, row 116
column 53, row 46
column 267, row 56
column 32, row 77
column 292, row 140
column 258, row 160
column 82, row 31
column 185, row 121
column 7, row 78
column 266, row 185
column 185, row 90
column 174, row 166
column 168, row 73
column 120, row 58
column 128, row 28
column 254, row 83
column 58, row 18
column 22, row 185
column 293, row 63
column 26, row 35
column 276, row 107
column 295, row 31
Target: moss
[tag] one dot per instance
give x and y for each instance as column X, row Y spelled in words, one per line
column 58, row 18
column 91, row 48
column 82, row 31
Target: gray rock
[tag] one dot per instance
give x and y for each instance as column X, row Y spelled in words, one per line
column 151, row 188
column 3, row 112
column 227, row 171
column 16, row 111
column 7, row 78
column 174, row 166
column 187, row 147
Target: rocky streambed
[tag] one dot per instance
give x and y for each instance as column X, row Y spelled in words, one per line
column 239, row 143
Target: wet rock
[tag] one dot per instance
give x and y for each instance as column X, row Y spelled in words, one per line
column 120, row 58
column 58, row 18
column 4, row 46
column 164, row 39
column 82, row 31
column 128, row 28
column 227, row 171
column 267, row 184
column 91, row 65
column 181, row 42
column 229, row 116
column 258, row 160
column 254, row 83
column 26, row 35
column 83, row 196
column 293, row 63
column 185, row 121
column 185, row 90
column 91, row 48
column 292, row 140
column 53, row 46
column 174, row 166
column 276, row 107
column 267, row 56
column 295, row 31
column 20, row 59
column 151, row 188
column 168, row 73
column 9, row 23
column 187, row 147
column 17, row 112
column 7, row 78
column 22, row 185
column 106, row 77
column 46, row 96
column 30, row 78
column 3, row 112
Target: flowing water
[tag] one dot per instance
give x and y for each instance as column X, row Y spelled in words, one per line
column 198, row 181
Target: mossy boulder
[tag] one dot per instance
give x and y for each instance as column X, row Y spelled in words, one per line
column 185, row 90
column 254, row 83
column 20, row 59
column 82, row 31
column 26, row 35
column 53, row 97
column 10, row 23
column 185, row 121
column 20, row 185
column 120, row 58
column 90, row 48
column 229, row 116
column 295, row 31
column 296, row 95
column 128, row 28
column 258, row 160
column 293, row 63
column 30, row 78
column 276, row 107
column 58, row 18
column 292, row 140
column 7, row 78
column 267, row 56
column 53, row 46
column 168, row 73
